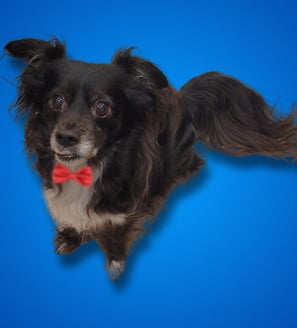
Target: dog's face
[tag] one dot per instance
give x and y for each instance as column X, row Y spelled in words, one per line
column 82, row 109
column 85, row 106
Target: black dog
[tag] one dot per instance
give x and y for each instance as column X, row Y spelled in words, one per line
column 111, row 140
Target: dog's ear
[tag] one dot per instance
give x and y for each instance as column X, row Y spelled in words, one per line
column 34, row 50
column 38, row 54
column 142, row 71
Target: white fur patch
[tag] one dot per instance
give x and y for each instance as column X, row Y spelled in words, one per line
column 115, row 269
column 68, row 208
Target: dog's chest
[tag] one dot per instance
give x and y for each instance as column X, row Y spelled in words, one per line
column 69, row 208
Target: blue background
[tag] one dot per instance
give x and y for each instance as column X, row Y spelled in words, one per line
column 223, row 252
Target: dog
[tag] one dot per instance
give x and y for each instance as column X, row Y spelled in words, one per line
column 110, row 141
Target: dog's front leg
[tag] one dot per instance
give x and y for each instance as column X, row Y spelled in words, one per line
column 115, row 240
column 68, row 239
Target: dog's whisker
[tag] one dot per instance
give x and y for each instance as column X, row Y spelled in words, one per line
column 11, row 83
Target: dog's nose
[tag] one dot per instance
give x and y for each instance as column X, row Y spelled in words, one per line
column 67, row 138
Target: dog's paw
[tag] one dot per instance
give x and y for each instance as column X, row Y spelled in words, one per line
column 115, row 269
column 67, row 240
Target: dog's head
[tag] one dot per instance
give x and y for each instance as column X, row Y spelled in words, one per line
column 78, row 110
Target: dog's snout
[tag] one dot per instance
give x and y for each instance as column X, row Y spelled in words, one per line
column 67, row 138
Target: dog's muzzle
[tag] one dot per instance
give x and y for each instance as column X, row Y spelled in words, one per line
column 69, row 145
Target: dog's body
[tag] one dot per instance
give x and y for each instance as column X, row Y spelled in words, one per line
column 137, row 134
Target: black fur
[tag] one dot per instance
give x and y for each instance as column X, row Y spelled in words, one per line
column 146, row 141
column 67, row 240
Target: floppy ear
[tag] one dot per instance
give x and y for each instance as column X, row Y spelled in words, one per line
column 38, row 54
column 144, row 72
column 33, row 50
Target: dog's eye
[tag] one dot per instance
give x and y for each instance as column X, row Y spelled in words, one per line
column 57, row 102
column 102, row 109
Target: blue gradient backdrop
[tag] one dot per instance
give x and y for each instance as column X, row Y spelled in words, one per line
column 223, row 252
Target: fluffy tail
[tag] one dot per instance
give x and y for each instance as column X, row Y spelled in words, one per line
column 230, row 117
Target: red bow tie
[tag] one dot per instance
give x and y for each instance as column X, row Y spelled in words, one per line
column 62, row 174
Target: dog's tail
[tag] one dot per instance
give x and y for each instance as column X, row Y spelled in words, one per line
column 230, row 117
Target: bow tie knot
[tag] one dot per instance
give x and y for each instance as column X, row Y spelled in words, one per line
column 82, row 176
